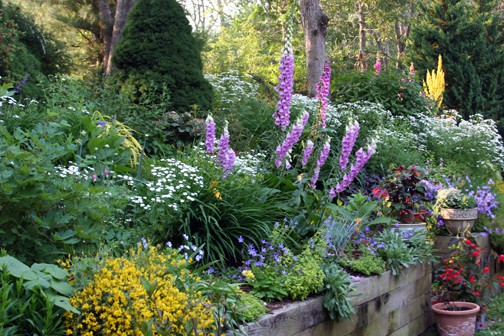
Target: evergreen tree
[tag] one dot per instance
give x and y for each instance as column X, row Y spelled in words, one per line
column 27, row 53
column 157, row 46
column 468, row 37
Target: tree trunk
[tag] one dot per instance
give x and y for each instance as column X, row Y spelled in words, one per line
column 362, row 27
column 123, row 7
column 315, row 29
column 107, row 27
column 402, row 31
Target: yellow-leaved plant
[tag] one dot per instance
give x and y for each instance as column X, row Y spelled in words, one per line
column 434, row 84
column 147, row 292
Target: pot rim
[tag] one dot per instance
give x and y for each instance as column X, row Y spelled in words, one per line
column 473, row 308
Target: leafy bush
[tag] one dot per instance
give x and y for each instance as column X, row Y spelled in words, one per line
column 237, row 101
column 33, row 299
column 367, row 263
column 27, row 53
column 338, row 285
column 397, row 92
column 146, row 291
column 467, row 147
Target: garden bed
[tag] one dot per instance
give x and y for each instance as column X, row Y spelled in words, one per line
column 384, row 305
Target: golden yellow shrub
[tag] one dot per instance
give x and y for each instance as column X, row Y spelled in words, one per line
column 147, row 290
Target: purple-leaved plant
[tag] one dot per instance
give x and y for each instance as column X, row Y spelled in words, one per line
column 324, row 154
column 347, row 144
column 323, row 88
column 210, row 134
column 291, row 139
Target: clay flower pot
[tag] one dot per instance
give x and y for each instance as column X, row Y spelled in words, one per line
column 456, row 322
column 458, row 221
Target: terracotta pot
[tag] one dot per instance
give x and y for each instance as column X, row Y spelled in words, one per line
column 456, row 322
column 458, row 221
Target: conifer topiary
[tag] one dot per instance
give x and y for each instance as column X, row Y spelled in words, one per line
column 157, row 48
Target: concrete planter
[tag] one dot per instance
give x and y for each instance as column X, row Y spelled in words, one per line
column 384, row 305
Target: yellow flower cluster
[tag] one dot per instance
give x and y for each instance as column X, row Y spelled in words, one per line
column 434, row 85
column 146, row 289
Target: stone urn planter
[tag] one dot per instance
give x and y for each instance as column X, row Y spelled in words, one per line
column 460, row 322
column 422, row 226
column 458, row 221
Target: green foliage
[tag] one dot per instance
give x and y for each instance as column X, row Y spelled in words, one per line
column 157, row 46
column 306, row 276
column 34, row 299
column 252, row 45
column 27, row 53
column 366, row 263
column 469, row 38
column 397, row 92
column 338, row 285
column 49, row 204
column 237, row 100
column 400, row 249
column 250, row 307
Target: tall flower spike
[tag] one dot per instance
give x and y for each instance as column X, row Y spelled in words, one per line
column 307, row 152
column 362, row 158
column 228, row 165
column 377, row 66
column 285, row 89
column 291, row 139
column 210, row 134
column 223, row 146
column 348, row 143
column 323, row 88
column 320, row 162
column 286, row 79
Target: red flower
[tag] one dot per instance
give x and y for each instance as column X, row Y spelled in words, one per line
column 468, row 242
column 472, row 279
column 476, row 253
column 486, row 270
column 476, row 293
column 501, row 258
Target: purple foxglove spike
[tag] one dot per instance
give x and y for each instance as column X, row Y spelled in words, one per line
column 228, row 165
column 315, row 177
column 307, row 152
column 291, row 138
column 324, row 153
column 285, row 89
column 210, row 134
column 348, row 143
column 223, row 146
column 323, row 88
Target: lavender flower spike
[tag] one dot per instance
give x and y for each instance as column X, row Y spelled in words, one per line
column 323, row 88
column 320, row 162
column 223, row 146
column 285, row 89
column 361, row 159
column 291, row 139
column 210, row 134
column 307, row 152
column 228, row 165
column 348, row 143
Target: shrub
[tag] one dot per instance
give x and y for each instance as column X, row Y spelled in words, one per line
column 237, row 101
column 33, row 299
column 146, row 291
column 467, row 147
column 174, row 61
column 397, row 92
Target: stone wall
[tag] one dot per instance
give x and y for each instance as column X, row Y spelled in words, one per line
column 384, row 305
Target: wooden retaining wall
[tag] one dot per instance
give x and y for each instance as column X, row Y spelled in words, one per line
column 384, row 305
